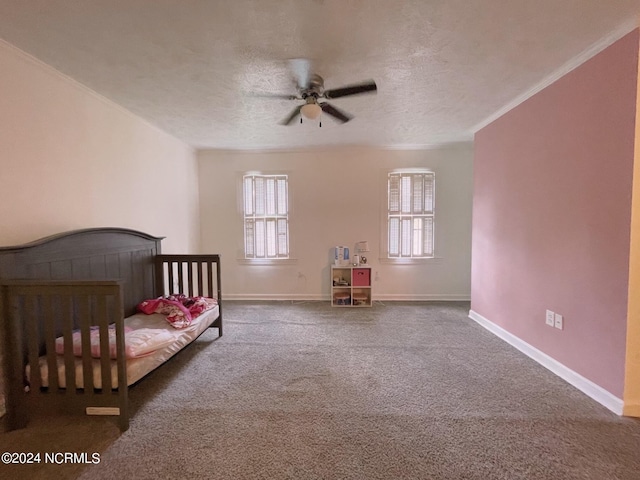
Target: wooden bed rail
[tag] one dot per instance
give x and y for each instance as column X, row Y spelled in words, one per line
column 35, row 313
column 191, row 275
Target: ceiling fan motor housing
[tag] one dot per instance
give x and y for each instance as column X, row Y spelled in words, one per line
column 316, row 82
column 315, row 88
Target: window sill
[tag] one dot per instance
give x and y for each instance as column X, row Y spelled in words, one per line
column 267, row 261
column 410, row 261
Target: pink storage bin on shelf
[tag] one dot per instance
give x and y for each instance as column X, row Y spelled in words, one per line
column 361, row 277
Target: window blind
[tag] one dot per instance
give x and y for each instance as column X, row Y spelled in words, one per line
column 266, row 216
column 411, row 214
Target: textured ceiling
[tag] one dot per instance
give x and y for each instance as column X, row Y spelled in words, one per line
column 443, row 67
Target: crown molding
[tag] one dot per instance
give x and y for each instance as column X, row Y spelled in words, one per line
column 572, row 64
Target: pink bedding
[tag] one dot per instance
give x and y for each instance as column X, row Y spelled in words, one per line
column 180, row 310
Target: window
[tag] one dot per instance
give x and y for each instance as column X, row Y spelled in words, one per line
column 410, row 214
column 266, row 216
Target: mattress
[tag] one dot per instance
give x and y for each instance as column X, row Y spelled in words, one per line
column 141, row 366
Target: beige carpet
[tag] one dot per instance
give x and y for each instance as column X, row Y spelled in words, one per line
column 307, row 391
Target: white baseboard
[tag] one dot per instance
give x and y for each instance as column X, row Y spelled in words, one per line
column 326, row 298
column 586, row 386
column 275, row 297
column 421, row 297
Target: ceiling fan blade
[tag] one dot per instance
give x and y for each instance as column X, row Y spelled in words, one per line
column 292, row 116
column 301, row 69
column 365, row 87
column 334, row 112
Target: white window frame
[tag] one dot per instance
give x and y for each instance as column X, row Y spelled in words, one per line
column 410, row 215
column 265, row 217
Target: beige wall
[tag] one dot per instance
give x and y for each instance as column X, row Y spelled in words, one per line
column 337, row 196
column 71, row 159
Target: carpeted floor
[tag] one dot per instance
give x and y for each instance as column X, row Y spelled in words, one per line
column 307, row 391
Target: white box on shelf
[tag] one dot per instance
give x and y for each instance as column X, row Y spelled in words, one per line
column 341, row 255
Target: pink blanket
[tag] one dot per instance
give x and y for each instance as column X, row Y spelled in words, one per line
column 180, row 310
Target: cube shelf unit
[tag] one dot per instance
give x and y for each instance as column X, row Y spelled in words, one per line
column 351, row 286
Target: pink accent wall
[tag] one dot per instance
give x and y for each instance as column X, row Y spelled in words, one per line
column 551, row 215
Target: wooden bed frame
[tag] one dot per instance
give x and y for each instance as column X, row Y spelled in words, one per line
column 75, row 280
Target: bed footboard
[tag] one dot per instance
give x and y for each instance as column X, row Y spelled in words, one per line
column 35, row 314
column 191, row 275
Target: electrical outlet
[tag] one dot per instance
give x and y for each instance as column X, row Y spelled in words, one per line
column 550, row 319
column 559, row 321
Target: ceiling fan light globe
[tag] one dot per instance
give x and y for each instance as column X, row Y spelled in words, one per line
column 311, row 111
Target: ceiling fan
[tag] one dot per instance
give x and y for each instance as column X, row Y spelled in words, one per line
column 311, row 89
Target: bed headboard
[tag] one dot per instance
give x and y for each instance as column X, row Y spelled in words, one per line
column 89, row 254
